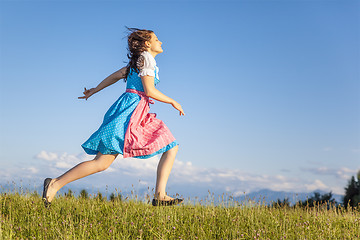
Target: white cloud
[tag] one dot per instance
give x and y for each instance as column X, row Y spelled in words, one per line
column 233, row 180
column 137, row 167
column 125, row 172
column 110, row 169
column 5, row 174
column 316, row 185
column 33, row 170
column 343, row 172
column 49, row 156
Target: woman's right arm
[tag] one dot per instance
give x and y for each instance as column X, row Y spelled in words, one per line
column 113, row 78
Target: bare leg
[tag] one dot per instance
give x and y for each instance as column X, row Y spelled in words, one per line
column 163, row 171
column 83, row 169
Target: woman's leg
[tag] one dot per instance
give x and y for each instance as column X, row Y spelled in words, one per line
column 163, row 171
column 83, row 169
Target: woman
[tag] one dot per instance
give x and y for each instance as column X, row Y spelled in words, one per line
column 128, row 128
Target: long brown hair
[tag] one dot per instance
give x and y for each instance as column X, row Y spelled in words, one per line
column 136, row 45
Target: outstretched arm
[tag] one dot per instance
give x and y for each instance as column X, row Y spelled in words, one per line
column 151, row 91
column 113, row 78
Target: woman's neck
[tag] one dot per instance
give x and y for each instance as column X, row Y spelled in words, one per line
column 152, row 53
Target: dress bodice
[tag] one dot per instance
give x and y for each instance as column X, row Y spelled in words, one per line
column 133, row 81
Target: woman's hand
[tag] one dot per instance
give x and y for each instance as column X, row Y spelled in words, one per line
column 177, row 106
column 87, row 93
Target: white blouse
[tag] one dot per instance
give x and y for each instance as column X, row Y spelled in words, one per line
column 146, row 64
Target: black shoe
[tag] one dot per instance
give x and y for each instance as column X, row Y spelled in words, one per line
column 156, row 202
column 46, row 186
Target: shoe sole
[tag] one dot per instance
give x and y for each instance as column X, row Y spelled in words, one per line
column 46, row 186
column 159, row 203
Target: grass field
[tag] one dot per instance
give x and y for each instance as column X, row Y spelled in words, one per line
column 23, row 216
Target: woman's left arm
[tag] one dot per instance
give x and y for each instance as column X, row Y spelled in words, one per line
column 151, row 91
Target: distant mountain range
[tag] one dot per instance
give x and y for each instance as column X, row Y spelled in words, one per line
column 263, row 196
column 267, row 196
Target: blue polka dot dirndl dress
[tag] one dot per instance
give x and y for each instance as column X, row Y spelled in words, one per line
column 128, row 128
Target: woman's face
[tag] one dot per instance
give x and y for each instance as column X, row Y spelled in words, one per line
column 155, row 44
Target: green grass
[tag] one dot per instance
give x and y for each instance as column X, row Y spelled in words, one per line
column 23, row 216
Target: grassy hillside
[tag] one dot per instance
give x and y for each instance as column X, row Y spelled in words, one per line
column 24, row 217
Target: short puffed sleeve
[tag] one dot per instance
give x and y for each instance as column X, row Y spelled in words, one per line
column 146, row 64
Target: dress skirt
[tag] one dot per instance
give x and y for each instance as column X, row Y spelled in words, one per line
column 129, row 129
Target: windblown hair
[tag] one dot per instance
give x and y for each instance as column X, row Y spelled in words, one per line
column 136, row 45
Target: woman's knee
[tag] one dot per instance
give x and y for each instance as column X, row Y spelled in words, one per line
column 103, row 162
column 102, row 166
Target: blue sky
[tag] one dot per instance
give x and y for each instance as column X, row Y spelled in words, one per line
column 270, row 89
